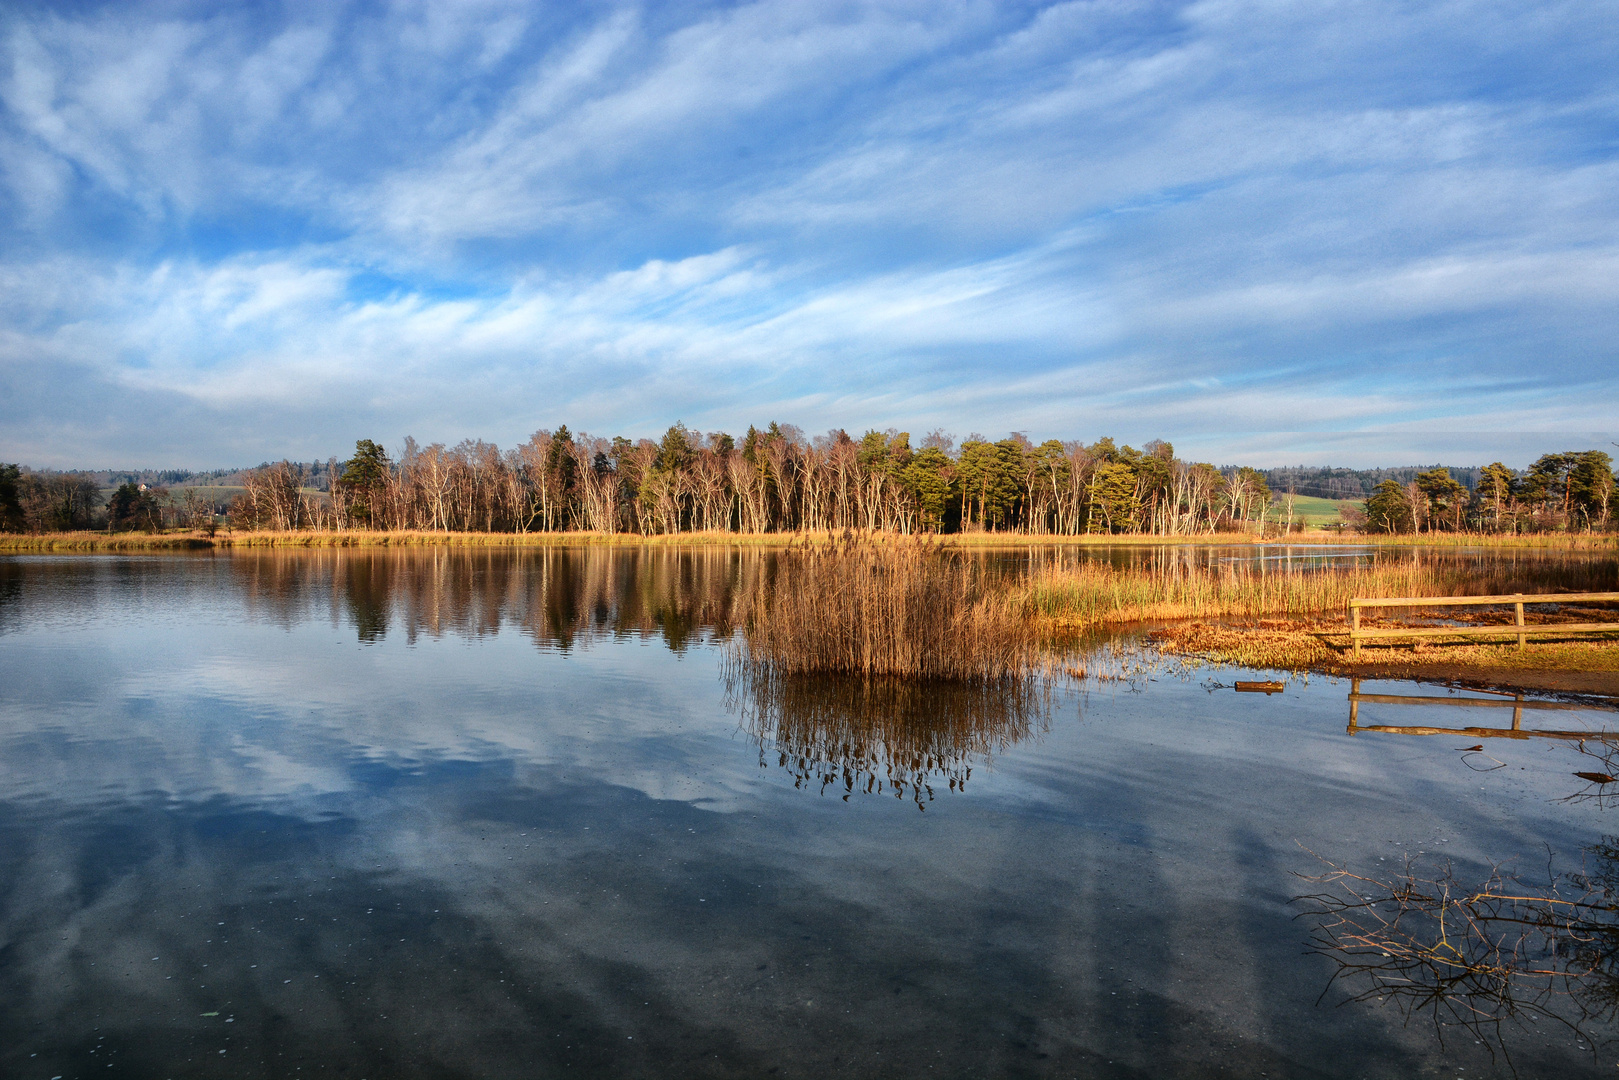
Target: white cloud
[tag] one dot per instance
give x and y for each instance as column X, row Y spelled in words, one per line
column 1091, row 217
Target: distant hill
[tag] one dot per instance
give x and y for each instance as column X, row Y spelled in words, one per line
column 318, row 473
column 1327, row 482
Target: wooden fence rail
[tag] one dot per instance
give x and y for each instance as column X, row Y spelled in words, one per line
column 1518, row 629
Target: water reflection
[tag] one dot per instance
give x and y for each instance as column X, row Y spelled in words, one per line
column 336, row 812
column 560, row 597
column 1479, row 955
column 1535, row 954
column 565, row 597
column 1516, row 702
column 873, row 736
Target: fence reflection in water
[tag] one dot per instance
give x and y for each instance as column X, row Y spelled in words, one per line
column 1516, row 702
column 1526, row 952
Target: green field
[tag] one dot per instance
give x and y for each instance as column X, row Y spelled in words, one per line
column 1315, row 512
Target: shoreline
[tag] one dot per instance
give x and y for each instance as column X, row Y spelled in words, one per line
column 21, row 543
column 1214, row 629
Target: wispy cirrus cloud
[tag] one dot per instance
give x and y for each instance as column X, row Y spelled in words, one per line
column 231, row 234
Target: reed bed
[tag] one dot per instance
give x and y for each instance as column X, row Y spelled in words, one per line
column 430, row 538
column 104, row 541
column 403, row 538
column 904, row 608
column 1091, row 595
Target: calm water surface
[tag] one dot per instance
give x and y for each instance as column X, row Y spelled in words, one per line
column 500, row 814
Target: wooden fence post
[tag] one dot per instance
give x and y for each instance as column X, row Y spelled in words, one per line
column 1518, row 611
column 1354, row 628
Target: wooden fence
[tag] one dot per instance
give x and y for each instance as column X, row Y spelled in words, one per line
column 1517, row 629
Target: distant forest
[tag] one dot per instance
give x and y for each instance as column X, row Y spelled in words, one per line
column 778, row 479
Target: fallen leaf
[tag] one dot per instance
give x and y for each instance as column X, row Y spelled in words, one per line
column 1467, row 749
column 1596, row 777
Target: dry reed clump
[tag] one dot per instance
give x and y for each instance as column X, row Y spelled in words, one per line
column 904, row 607
column 395, row 538
column 1094, row 595
column 103, row 541
column 440, row 538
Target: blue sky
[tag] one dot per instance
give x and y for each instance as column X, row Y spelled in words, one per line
column 1358, row 233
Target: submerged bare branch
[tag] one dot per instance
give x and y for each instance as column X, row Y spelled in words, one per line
column 1488, row 956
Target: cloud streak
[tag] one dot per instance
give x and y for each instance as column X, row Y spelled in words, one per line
column 1248, row 228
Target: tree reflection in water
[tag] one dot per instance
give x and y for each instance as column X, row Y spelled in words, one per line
column 906, row 737
column 1486, row 956
column 560, row 597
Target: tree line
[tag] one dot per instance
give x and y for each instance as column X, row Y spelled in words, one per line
column 1564, row 492
column 41, row 502
column 775, row 479
column 778, row 479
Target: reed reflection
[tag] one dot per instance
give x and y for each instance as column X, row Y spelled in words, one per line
column 908, row 738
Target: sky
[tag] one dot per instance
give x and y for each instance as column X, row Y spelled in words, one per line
column 1354, row 233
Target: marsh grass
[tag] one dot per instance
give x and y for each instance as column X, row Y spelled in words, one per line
column 103, row 541
column 403, row 538
column 429, row 538
column 1091, row 594
column 908, row 608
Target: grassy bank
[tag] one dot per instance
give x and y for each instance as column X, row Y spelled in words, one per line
column 100, row 541
column 1584, row 666
column 1323, row 645
column 103, row 541
column 1092, row 595
column 1243, row 618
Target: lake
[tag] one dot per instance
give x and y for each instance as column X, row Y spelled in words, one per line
column 509, row 813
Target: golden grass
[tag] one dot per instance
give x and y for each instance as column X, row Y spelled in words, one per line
column 1311, row 645
column 1093, row 594
column 910, row 609
column 103, row 541
column 403, row 538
